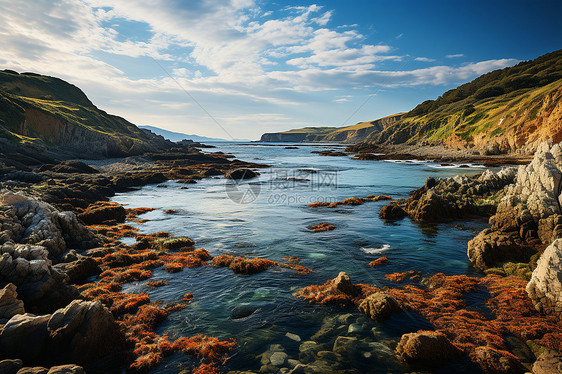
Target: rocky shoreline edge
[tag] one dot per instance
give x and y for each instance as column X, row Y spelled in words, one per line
column 58, row 231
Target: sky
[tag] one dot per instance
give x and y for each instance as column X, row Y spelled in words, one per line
column 240, row 68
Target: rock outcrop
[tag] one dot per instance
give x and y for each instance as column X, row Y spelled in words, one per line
column 81, row 333
column 30, row 221
column 527, row 217
column 545, row 286
column 452, row 198
column 40, row 286
column 33, row 236
column 242, row 173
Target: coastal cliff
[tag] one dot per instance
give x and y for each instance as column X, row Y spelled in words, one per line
column 53, row 117
column 506, row 111
column 511, row 110
column 347, row 135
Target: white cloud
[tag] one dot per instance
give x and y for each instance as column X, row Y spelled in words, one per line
column 424, row 59
column 239, row 61
column 458, row 55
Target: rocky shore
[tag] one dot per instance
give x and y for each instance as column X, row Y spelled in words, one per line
column 436, row 153
column 519, row 258
column 57, row 230
column 62, row 271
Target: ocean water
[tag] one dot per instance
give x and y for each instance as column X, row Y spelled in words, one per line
column 268, row 217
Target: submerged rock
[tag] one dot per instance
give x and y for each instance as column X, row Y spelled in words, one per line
column 545, row 286
column 243, row 311
column 242, row 173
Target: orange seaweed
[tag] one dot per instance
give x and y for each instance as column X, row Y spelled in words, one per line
column 400, row 277
column 379, row 261
column 322, row 227
column 157, row 283
column 241, row 265
column 205, row 347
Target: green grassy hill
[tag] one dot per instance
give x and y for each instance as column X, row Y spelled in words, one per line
column 57, row 116
column 499, row 112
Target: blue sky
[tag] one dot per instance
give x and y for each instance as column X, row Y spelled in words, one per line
column 263, row 66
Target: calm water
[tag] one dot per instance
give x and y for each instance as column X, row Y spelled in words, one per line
column 274, row 225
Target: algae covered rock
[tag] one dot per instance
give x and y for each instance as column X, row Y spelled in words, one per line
column 495, row 361
column 426, row 347
column 379, row 306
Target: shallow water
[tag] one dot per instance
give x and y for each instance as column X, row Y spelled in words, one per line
column 275, row 225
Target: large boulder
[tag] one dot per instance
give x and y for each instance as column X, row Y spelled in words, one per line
column 9, row 303
column 84, row 331
column 452, row 198
column 489, row 248
column 426, row 347
column 379, row 306
column 528, row 216
column 343, row 284
column 26, row 336
column 29, row 221
column 545, row 286
column 495, row 361
column 81, row 333
column 550, row 228
column 40, row 286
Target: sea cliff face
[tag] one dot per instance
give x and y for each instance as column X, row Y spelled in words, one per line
column 515, row 123
column 347, row 135
column 52, row 117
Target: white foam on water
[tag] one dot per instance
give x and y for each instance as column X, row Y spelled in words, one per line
column 373, row 251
